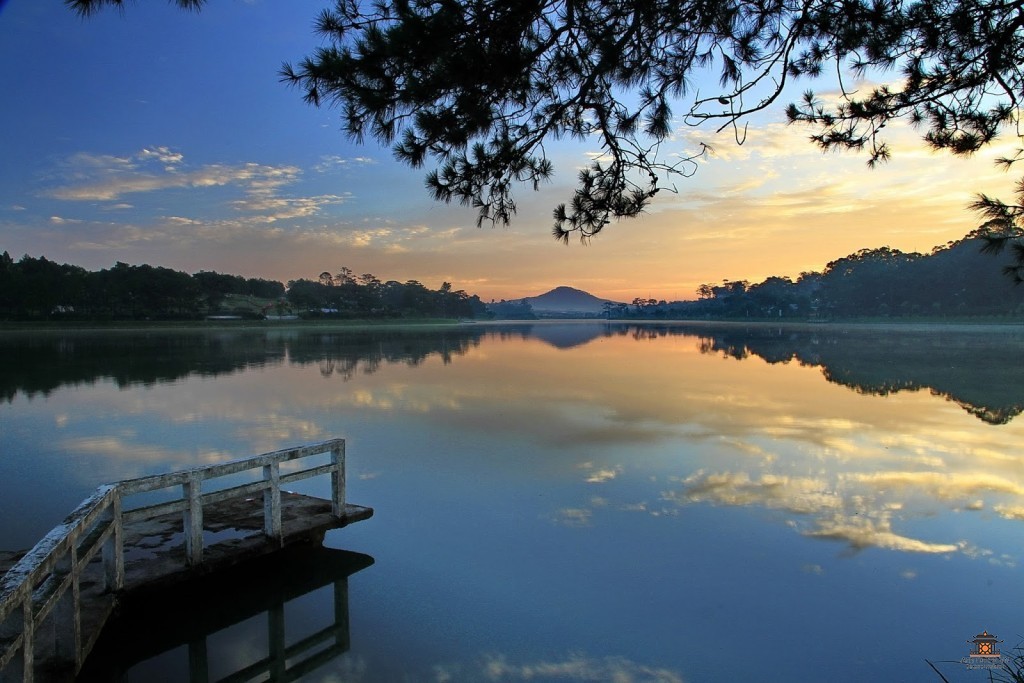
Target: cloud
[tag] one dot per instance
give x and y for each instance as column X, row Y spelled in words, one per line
column 801, row 495
column 754, row 182
column 162, row 154
column 861, row 532
column 333, row 162
column 107, row 179
column 129, row 458
column 599, row 475
column 576, row 517
column 284, row 208
column 91, row 177
column 116, row 184
column 857, row 510
column 940, row 485
column 575, row 667
column 1015, row 512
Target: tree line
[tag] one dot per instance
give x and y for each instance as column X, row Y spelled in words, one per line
column 957, row 279
column 347, row 295
column 39, row 289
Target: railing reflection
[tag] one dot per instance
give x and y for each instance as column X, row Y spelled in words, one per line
column 149, row 626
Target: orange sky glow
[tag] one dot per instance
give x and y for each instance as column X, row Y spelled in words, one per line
column 191, row 155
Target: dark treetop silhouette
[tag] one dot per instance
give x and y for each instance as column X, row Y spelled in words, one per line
column 479, row 86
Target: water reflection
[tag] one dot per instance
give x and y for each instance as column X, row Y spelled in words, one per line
column 220, row 621
column 973, row 368
column 855, row 511
column 49, row 360
column 571, row 667
column 566, row 501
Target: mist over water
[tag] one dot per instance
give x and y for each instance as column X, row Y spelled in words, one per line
column 583, row 501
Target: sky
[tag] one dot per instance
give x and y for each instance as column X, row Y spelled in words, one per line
column 159, row 136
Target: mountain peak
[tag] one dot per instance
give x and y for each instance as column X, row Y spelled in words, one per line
column 565, row 290
column 565, row 299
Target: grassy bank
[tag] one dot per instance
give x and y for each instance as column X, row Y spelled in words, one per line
column 205, row 325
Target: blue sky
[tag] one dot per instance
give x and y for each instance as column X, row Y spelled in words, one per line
column 160, row 136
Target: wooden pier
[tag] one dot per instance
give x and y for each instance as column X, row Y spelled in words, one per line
column 140, row 534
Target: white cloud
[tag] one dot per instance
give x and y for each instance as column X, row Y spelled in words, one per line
column 575, row 667
column 802, row 495
column 333, row 162
column 573, row 516
column 164, row 155
column 602, row 475
column 90, row 177
column 283, row 208
column 107, row 178
column 857, row 508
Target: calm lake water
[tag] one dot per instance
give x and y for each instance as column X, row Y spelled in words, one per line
column 574, row 501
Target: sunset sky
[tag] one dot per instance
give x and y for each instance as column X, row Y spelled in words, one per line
column 164, row 137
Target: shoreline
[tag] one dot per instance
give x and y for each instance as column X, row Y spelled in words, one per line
column 192, row 326
column 219, row 325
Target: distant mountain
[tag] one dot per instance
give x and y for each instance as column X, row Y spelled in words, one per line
column 566, row 300
column 567, row 336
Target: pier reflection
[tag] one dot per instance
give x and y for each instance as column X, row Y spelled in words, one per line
column 210, row 629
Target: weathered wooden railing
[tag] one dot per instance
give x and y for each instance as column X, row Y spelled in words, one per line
column 41, row 596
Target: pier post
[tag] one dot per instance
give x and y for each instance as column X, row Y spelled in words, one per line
column 192, row 492
column 21, row 668
column 341, row 628
column 278, row 655
column 113, row 548
column 66, row 617
column 338, row 479
column 28, row 642
column 272, row 502
column 198, row 661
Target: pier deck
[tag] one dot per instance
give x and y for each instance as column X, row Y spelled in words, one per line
column 155, row 552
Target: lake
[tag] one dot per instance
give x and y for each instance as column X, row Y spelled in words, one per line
column 579, row 501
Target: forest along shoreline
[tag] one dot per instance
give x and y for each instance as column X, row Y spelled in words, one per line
column 978, row 324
